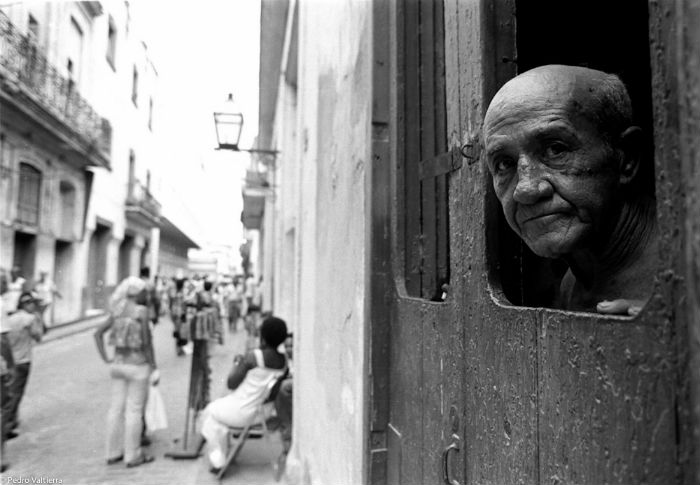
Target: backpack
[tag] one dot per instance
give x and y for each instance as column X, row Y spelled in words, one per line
column 126, row 333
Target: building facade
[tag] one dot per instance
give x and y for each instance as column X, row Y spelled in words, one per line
column 423, row 353
column 53, row 138
column 78, row 149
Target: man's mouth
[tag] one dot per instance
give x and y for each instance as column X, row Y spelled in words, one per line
column 542, row 217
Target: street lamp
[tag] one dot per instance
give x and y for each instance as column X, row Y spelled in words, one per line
column 229, row 125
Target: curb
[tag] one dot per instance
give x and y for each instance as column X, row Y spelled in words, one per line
column 68, row 329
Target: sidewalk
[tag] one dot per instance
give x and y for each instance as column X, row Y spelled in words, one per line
column 62, row 417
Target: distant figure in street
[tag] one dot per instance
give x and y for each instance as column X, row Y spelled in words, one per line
column 249, row 380
column 15, row 288
column 46, row 291
column 235, row 299
column 7, row 371
column 153, row 302
column 132, row 369
column 24, row 329
column 178, row 314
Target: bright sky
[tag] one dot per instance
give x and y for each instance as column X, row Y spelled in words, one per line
column 202, row 51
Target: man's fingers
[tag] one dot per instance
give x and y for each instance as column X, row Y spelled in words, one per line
column 614, row 307
column 634, row 310
column 620, row 307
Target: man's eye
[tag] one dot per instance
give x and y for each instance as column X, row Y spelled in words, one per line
column 503, row 164
column 554, row 149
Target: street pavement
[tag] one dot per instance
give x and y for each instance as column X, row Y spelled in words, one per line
column 63, row 419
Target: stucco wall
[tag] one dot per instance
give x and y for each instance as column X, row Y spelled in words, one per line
column 334, row 137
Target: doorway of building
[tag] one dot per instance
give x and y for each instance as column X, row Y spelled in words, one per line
column 62, row 309
column 25, row 255
column 125, row 249
column 95, row 294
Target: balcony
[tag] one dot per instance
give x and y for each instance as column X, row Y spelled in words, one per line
column 255, row 190
column 34, row 88
column 141, row 207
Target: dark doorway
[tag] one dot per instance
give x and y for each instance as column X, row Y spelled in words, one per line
column 125, row 249
column 144, row 260
column 95, row 295
column 25, row 255
column 63, row 275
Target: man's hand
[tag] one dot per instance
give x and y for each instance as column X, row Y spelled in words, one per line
column 621, row 307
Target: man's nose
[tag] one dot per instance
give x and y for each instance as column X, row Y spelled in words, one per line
column 531, row 185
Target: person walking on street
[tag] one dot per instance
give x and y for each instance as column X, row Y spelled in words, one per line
column 178, row 314
column 46, row 291
column 132, row 368
column 24, row 329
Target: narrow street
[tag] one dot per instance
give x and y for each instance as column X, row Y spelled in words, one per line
column 62, row 419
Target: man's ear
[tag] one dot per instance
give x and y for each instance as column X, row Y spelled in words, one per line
column 631, row 147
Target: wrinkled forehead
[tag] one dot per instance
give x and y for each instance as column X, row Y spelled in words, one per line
column 570, row 89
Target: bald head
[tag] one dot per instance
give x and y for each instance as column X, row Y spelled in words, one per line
column 562, row 154
column 599, row 97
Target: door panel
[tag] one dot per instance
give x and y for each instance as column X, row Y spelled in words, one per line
column 501, row 394
column 406, row 389
column 442, row 395
column 607, row 399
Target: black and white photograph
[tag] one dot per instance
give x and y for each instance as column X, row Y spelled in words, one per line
column 350, row 242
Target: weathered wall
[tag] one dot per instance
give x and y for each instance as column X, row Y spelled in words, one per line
column 334, row 139
column 689, row 105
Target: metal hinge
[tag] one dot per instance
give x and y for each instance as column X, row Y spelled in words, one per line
column 450, row 161
column 441, row 164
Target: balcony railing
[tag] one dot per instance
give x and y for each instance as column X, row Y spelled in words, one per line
column 139, row 198
column 23, row 62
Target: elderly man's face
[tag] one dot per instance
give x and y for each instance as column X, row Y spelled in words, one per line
column 553, row 172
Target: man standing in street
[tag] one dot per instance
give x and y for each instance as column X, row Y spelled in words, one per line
column 24, row 329
column 7, row 370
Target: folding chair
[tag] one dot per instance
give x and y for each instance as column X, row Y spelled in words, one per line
column 255, row 430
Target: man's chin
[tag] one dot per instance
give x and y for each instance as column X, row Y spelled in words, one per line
column 548, row 249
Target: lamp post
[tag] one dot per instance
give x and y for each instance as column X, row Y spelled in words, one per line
column 229, row 125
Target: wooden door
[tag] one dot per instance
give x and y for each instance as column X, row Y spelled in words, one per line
column 417, row 336
column 532, row 394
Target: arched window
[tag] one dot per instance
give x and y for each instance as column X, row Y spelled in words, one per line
column 29, row 194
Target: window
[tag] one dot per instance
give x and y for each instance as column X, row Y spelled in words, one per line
column 135, row 87
column 29, row 201
column 132, row 174
column 426, row 161
column 111, row 43
column 75, row 52
column 150, row 114
column 525, row 278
